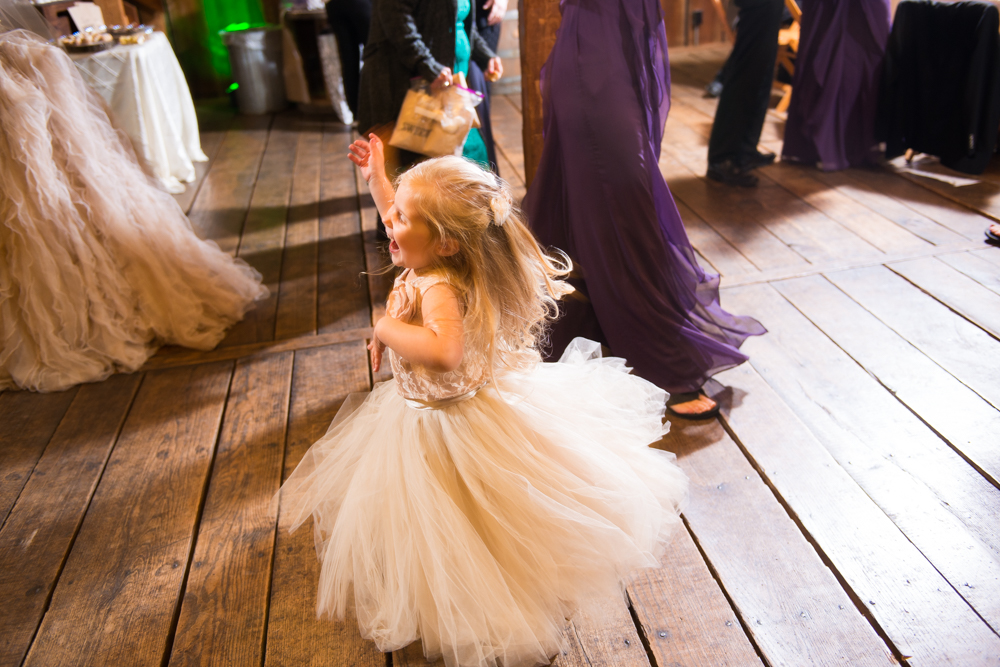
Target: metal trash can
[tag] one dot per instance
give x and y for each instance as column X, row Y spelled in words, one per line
column 255, row 55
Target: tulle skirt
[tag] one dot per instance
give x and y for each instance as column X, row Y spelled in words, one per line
column 98, row 265
column 480, row 527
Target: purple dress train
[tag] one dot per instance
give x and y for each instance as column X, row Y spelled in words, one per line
column 599, row 195
column 831, row 120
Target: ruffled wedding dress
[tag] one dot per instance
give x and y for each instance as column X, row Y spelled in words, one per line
column 475, row 520
column 98, row 265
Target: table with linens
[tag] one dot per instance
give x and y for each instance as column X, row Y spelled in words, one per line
column 145, row 89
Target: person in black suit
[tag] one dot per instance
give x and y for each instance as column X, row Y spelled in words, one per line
column 489, row 19
column 349, row 20
column 412, row 38
column 746, row 93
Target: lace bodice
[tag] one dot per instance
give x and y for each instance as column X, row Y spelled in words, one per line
column 417, row 382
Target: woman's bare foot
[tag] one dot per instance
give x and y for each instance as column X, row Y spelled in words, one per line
column 702, row 407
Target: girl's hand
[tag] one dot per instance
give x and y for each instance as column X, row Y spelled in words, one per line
column 369, row 156
column 498, row 8
column 495, row 70
column 377, row 348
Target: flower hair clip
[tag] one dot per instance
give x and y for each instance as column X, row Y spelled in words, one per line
column 499, row 214
column 500, row 205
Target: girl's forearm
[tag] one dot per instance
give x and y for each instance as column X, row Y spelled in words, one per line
column 382, row 193
column 420, row 345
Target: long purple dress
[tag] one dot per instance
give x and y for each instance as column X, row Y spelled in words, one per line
column 831, row 120
column 599, row 195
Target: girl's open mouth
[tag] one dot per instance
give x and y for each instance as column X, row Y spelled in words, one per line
column 392, row 246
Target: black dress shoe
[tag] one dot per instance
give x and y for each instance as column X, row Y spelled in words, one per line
column 757, row 159
column 729, row 173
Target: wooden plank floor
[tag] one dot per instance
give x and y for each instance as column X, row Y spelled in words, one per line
column 844, row 507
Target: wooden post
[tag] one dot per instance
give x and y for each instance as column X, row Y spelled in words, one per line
column 539, row 21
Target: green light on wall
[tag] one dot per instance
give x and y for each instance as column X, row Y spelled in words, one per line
column 228, row 15
column 233, row 86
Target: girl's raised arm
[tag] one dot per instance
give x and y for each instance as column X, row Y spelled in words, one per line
column 370, row 157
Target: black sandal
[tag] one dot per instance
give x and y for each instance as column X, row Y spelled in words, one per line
column 992, row 238
column 691, row 396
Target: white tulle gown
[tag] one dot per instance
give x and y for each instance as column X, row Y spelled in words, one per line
column 478, row 521
column 98, row 265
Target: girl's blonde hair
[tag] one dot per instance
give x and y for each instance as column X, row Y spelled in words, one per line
column 509, row 285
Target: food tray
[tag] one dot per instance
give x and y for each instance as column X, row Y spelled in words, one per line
column 88, row 48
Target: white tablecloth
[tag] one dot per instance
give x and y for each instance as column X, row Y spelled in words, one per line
column 146, row 91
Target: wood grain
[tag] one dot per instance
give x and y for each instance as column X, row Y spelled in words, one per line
column 814, row 188
column 724, row 258
column 224, row 610
column 976, row 267
column 603, row 634
column 857, row 185
column 322, row 379
column 684, row 614
column 298, row 292
column 819, row 236
column 926, row 202
column 955, row 290
column 784, row 273
column 263, row 238
column 178, row 356
column 214, row 120
column 990, row 254
column 738, row 218
column 343, row 290
column 943, row 505
column 892, row 580
column 980, row 197
column 116, row 600
column 220, row 209
column 967, row 422
column 788, row 600
column 37, row 536
column 962, row 348
column 507, row 128
column 27, row 422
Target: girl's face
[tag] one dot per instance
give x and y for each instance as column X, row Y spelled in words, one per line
column 411, row 243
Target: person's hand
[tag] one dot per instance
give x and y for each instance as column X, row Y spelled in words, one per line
column 443, row 80
column 377, row 348
column 495, row 68
column 498, row 9
column 369, row 156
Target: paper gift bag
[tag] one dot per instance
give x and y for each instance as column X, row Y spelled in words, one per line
column 435, row 124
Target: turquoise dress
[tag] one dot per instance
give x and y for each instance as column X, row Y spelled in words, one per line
column 475, row 147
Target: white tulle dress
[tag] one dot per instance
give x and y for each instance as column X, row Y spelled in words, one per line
column 478, row 521
column 98, row 265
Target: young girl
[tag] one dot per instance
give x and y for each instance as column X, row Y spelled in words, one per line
column 478, row 498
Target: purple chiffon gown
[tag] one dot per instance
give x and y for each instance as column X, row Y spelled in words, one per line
column 598, row 195
column 831, row 120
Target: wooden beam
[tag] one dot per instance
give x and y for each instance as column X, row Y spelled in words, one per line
column 539, row 23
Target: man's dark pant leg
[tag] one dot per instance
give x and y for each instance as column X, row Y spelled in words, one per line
column 350, row 20
column 746, row 92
